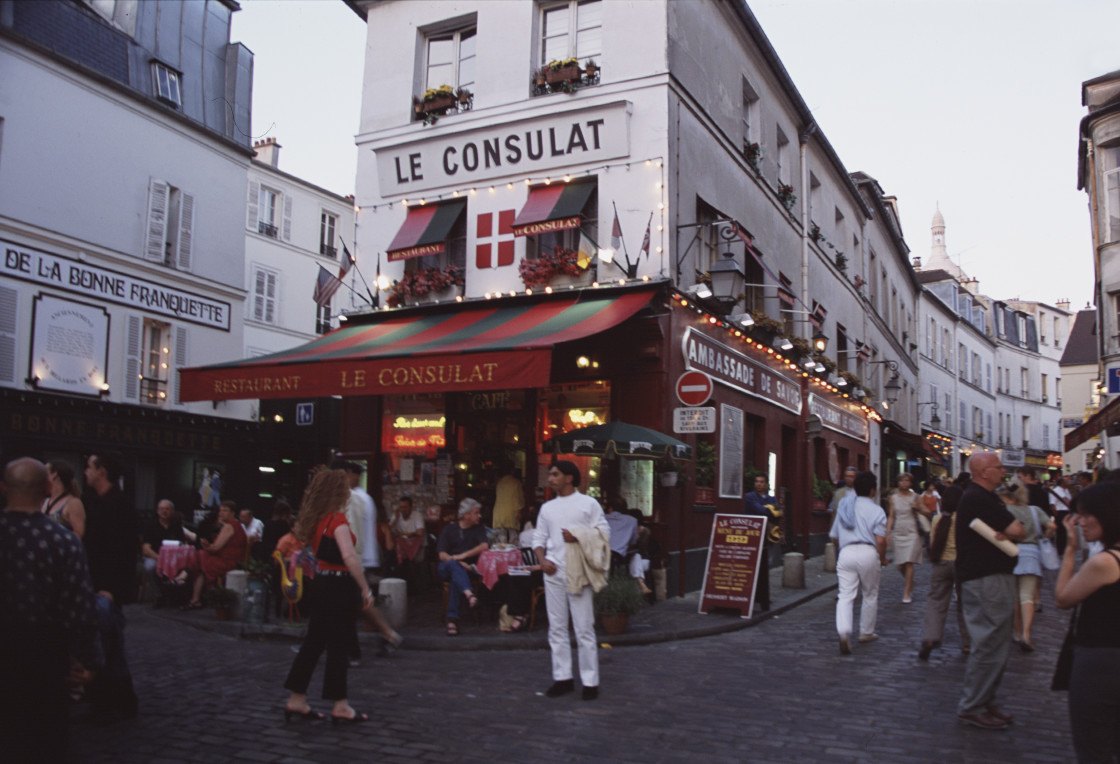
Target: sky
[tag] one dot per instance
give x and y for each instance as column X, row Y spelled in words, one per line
column 972, row 106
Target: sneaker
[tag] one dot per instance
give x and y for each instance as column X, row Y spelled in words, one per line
column 868, row 637
column 561, row 687
column 590, row 693
column 1003, row 717
column 907, row 600
column 983, row 720
column 845, row 644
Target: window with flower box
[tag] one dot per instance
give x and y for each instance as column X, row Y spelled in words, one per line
column 450, row 57
column 426, row 277
column 571, row 42
column 559, row 252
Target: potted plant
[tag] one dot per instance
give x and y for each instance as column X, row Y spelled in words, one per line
column 841, row 262
column 705, row 472
column 616, row 601
column 667, row 472
column 752, row 152
column 423, row 283
column 822, row 493
column 815, row 232
column 786, row 195
column 221, row 599
column 591, row 70
column 465, row 97
column 539, row 271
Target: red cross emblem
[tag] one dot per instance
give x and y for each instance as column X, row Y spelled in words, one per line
column 484, row 229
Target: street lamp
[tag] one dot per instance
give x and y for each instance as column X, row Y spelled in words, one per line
column 820, row 341
column 892, row 388
column 727, row 280
column 934, row 419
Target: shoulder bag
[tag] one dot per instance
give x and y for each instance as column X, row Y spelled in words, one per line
column 1047, row 554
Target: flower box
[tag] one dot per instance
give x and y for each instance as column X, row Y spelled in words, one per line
column 569, row 73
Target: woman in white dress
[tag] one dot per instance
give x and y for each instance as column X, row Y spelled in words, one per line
column 904, row 506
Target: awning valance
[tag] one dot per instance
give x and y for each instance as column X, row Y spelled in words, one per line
column 554, row 207
column 482, row 346
column 425, row 230
column 1093, row 426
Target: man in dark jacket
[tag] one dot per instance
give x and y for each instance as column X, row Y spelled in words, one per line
column 112, row 543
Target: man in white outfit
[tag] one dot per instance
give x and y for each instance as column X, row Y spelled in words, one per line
column 860, row 533
column 551, row 539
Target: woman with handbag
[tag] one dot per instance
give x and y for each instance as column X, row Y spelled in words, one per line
column 1094, row 681
column 904, row 510
column 1028, row 568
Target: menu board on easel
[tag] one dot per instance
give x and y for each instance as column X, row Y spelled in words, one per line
column 734, row 555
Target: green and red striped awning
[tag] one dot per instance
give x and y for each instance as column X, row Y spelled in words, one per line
column 554, row 207
column 425, row 230
column 481, row 346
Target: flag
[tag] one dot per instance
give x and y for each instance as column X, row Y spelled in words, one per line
column 616, row 233
column 587, row 250
column 645, row 239
column 347, row 261
column 325, row 287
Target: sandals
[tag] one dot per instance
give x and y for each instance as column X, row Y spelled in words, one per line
column 355, row 719
column 308, row 715
column 452, row 629
column 472, row 600
column 520, row 623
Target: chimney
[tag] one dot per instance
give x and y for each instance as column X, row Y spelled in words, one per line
column 972, row 286
column 268, row 151
column 1063, row 304
column 917, row 263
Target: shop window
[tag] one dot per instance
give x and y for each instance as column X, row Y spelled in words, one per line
column 570, row 407
column 155, row 359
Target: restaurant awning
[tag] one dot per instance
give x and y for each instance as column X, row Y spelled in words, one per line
column 1093, row 426
column 425, row 230
column 482, row 346
column 554, row 207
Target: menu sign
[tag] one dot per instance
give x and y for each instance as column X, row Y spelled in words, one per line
column 734, row 555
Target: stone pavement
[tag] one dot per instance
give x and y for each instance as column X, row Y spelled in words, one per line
column 675, row 618
column 777, row 692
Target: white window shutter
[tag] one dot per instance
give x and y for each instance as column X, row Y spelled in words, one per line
column 133, row 340
column 180, row 362
column 287, row 218
column 258, row 294
column 158, row 194
column 270, row 299
column 253, row 205
column 186, row 231
column 9, row 309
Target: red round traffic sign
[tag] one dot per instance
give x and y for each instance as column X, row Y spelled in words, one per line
column 694, row 388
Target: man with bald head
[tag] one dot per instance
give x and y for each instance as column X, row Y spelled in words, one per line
column 49, row 618
column 987, row 592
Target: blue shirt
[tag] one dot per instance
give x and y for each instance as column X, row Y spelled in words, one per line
column 755, row 504
column 870, row 521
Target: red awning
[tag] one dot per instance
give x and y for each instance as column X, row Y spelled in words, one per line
column 425, row 230
column 554, row 207
column 1093, row 426
column 479, row 346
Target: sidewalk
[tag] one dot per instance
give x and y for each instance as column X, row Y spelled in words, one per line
column 674, row 619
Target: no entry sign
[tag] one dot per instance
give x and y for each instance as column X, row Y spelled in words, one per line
column 694, row 388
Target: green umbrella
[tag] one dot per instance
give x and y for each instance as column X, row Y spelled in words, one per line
column 620, row 438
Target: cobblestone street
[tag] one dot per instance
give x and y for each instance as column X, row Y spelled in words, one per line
column 778, row 691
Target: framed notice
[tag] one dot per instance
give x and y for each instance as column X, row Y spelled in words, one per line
column 730, row 452
column 734, row 555
column 69, row 345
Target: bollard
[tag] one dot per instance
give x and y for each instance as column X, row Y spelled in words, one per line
column 793, row 570
column 238, row 580
column 829, row 557
column 660, row 584
column 393, row 593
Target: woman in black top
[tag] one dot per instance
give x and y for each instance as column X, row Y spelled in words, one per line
column 1094, row 686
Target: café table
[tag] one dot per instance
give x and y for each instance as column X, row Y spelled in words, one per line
column 496, row 562
column 174, row 559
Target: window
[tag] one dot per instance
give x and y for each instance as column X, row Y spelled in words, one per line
column 783, row 156
column 750, row 115
column 977, row 423
column 322, row 319
column 165, row 82
column 989, row 430
column 1045, row 397
column 454, row 250
column 1026, row 431
column 874, row 285
column 572, row 29
column 1021, row 322
column 1024, row 383
column 948, row 411
column 155, row 362
column 963, row 418
column 1046, row 436
column 946, row 356
column 451, row 59
column 1112, row 203
column 1057, row 333
column 1057, row 391
column 327, row 223
column 269, row 212
column 170, row 231
column 962, row 361
column 264, row 295
column 976, row 369
column 988, row 376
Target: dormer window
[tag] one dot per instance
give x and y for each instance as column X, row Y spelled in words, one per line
column 166, row 84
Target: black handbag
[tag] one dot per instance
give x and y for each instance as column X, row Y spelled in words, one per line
column 1064, row 667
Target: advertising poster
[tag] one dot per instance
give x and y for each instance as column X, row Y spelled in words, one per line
column 734, row 554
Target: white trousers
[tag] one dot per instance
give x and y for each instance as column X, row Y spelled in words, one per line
column 581, row 607
column 858, row 565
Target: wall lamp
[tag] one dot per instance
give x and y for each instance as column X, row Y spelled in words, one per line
column 934, row 420
column 782, row 343
column 892, row 388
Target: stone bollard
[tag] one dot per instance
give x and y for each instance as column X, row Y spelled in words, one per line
column 660, row 584
column 238, row 580
column 394, row 606
column 829, row 557
column 793, row 570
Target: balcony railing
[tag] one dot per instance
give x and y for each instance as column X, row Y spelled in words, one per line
column 328, row 251
column 268, row 230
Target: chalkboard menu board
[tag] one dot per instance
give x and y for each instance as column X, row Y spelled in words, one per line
column 734, row 555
